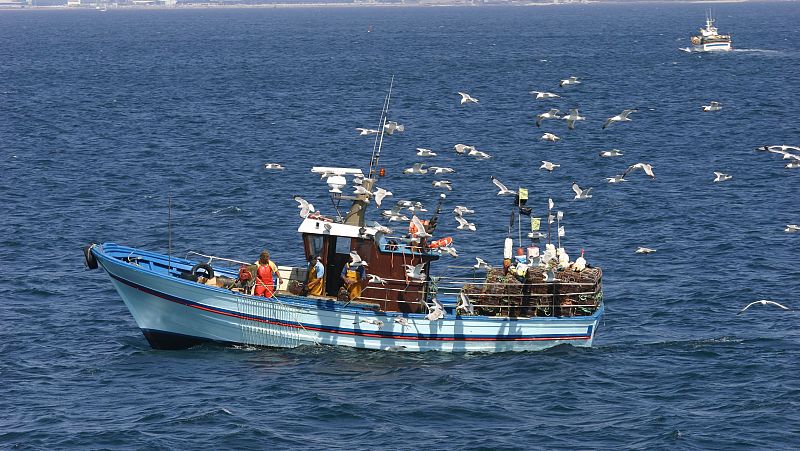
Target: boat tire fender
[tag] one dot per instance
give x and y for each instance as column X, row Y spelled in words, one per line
column 91, row 261
column 207, row 270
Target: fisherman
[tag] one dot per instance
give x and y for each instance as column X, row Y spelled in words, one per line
column 353, row 275
column 267, row 269
column 316, row 271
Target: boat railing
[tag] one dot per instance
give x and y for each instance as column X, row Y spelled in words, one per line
column 213, row 258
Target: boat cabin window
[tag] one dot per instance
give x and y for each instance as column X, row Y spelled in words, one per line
column 314, row 244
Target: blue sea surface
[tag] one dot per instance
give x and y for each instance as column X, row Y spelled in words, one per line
column 106, row 117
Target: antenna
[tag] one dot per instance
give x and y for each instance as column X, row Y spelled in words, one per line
column 376, row 148
column 169, row 232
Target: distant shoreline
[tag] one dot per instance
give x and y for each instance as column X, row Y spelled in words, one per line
column 87, row 7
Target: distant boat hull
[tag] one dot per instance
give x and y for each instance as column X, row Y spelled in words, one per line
column 713, row 47
column 175, row 314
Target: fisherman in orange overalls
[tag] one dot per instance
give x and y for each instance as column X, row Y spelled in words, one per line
column 265, row 286
column 353, row 275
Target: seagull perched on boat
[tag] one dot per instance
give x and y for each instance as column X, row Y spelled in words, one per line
column 644, row 250
column 356, row 261
column 464, row 304
column 478, row 154
column 376, row 322
column 763, row 302
column 443, row 184
column 466, row 98
column 392, row 126
column 419, row 228
column 621, row 117
column 415, row 272
column 463, row 224
column 380, row 194
column 375, row 279
column 580, row 263
column 611, row 153
column 552, row 114
column 646, row 167
column 481, row 264
column 503, row 190
column 463, row 148
column 714, row 106
column 441, row 170
column 401, row 321
column 422, row 152
column 792, row 228
column 544, row 95
column 569, row 81
column 581, row 193
column 416, row 169
column 550, row 137
column 274, row 166
column 462, row 210
column 305, row 207
column 367, row 131
column 549, row 166
column 721, row 177
column 572, row 117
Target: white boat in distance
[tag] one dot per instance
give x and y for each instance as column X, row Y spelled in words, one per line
column 709, row 39
column 402, row 307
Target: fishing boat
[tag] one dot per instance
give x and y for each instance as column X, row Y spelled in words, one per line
column 709, row 39
column 532, row 302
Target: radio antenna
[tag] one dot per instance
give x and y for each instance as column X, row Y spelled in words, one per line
column 376, row 148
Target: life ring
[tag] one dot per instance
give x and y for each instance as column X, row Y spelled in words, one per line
column 446, row 241
column 91, row 261
column 209, row 271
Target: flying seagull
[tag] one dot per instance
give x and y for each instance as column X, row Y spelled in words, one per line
column 416, row 169
column 443, row 184
column 714, row 106
column 425, row 152
column 367, row 131
column 415, row 272
column 763, row 302
column 572, row 117
column 545, row 95
column 621, row 117
column 379, row 194
column 569, row 81
column 463, row 224
column 481, row 264
column 466, row 98
column 441, row 170
column 644, row 250
column 503, row 190
column 392, row 126
column 462, row 210
column 646, row 167
column 551, row 114
column 721, row 177
column 550, row 137
column 478, row 154
column 611, row 153
column 581, row 193
column 463, row 148
column 616, row 179
column 305, row 207
column 549, row 165
column 375, row 279
column 274, row 166
column 792, row 228
column 356, row 259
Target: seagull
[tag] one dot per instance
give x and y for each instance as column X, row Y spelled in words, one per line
column 305, row 207
column 401, row 321
column 464, row 224
column 421, row 152
column 379, row 194
column 478, row 154
column 376, row 322
column 274, row 166
column 462, row 210
column 549, row 165
column 437, row 312
column 503, row 190
column 644, row 250
column 450, row 250
column 463, row 148
column 545, row 95
column 416, row 169
column 793, row 164
column 621, row 117
column 367, row 131
column 356, row 260
column 415, row 272
column 611, row 153
column 396, row 217
column 792, row 228
column 443, row 184
column 466, row 98
column 569, row 81
column 381, row 228
column 361, row 191
column 481, row 264
column 580, row 263
column 552, row 114
column 465, row 305
column 616, row 179
column 392, row 126
column 419, row 227
column 581, row 193
column 549, row 276
column 714, row 106
column 721, row 177
column 572, row 117
column 763, row 302
column 441, row 170
column 375, row 279
column 550, row 137
column 647, row 168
